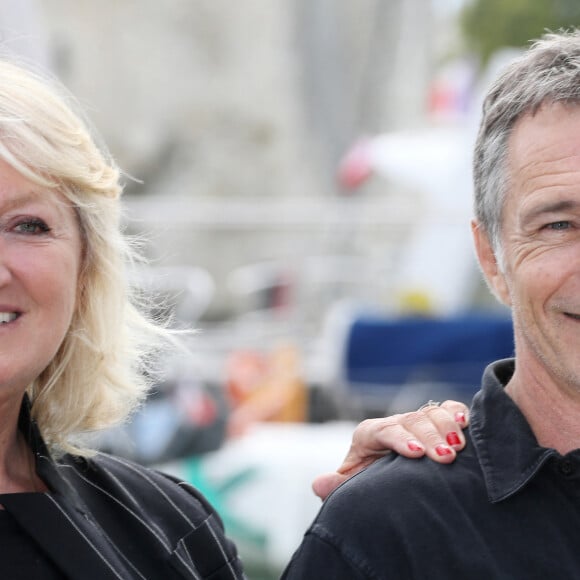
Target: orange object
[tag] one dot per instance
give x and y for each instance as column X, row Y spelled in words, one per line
column 266, row 388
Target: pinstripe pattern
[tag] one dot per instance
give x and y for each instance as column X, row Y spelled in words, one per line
column 144, row 475
column 91, row 544
column 154, row 531
column 127, row 485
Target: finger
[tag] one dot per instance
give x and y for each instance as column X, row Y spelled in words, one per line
column 374, row 438
column 385, row 435
column 459, row 412
column 444, row 420
column 435, row 428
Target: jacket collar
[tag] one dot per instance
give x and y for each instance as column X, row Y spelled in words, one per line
column 50, row 471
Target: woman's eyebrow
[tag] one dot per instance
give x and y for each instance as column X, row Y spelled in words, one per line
column 21, row 200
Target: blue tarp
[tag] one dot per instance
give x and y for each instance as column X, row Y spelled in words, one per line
column 451, row 350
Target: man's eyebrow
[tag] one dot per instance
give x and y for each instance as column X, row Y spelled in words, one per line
column 554, row 207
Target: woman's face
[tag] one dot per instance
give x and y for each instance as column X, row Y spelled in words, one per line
column 40, row 256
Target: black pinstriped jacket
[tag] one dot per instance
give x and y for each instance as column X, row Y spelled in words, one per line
column 106, row 518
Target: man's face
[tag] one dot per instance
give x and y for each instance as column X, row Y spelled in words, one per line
column 540, row 278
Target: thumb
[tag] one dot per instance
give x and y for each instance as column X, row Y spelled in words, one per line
column 324, row 484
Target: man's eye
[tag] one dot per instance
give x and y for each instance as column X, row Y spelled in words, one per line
column 34, row 226
column 561, row 225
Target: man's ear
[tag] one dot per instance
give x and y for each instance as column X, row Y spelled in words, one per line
column 488, row 262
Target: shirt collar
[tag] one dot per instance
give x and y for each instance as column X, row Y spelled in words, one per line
column 50, row 470
column 29, row 428
column 507, row 449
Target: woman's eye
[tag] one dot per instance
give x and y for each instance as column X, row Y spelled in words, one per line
column 32, row 226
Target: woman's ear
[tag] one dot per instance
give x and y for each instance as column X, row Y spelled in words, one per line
column 492, row 271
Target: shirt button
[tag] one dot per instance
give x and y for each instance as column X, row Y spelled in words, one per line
column 566, row 467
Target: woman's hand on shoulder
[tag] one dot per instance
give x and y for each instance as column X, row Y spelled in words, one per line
column 434, row 430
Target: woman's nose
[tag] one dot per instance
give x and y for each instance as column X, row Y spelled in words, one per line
column 5, row 269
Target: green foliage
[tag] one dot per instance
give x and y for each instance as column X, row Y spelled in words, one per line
column 492, row 24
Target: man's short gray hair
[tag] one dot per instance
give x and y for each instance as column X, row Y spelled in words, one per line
column 548, row 72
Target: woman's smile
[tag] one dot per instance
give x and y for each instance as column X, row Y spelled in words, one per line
column 7, row 317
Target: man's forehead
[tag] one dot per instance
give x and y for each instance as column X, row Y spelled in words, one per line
column 547, row 116
column 549, row 135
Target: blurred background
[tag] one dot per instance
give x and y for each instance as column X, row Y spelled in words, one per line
column 299, row 175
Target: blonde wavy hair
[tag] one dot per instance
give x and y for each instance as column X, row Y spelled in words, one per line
column 96, row 378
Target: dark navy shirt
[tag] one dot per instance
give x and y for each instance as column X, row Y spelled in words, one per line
column 20, row 557
column 505, row 509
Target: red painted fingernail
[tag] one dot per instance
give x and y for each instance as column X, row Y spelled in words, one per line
column 460, row 417
column 415, row 446
column 453, row 438
column 442, row 450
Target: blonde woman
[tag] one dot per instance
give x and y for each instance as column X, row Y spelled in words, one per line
column 72, row 351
